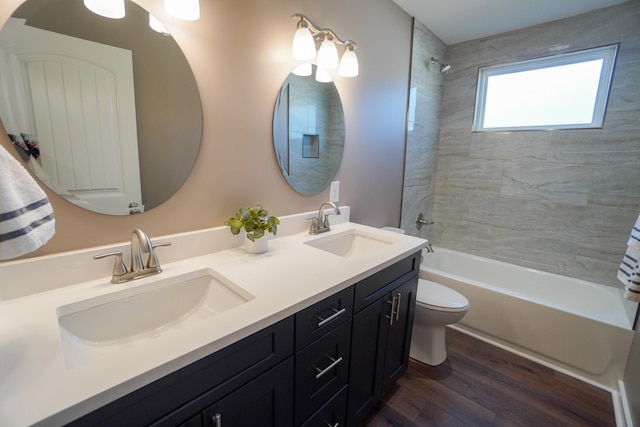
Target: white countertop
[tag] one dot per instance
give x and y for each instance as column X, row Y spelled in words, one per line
column 37, row 386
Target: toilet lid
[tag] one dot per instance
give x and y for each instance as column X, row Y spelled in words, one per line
column 436, row 295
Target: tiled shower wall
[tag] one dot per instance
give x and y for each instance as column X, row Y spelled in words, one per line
column 560, row 201
column 422, row 132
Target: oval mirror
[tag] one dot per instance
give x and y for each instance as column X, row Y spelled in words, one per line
column 106, row 112
column 308, row 133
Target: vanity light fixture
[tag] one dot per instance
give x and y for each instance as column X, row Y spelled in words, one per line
column 328, row 54
column 323, row 76
column 189, row 10
column 304, row 48
column 157, row 26
column 113, row 9
column 303, row 70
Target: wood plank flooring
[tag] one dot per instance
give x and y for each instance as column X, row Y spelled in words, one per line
column 483, row 385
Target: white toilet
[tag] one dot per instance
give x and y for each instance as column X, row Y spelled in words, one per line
column 436, row 307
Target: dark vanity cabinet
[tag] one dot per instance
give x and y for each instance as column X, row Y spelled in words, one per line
column 323, row 344
column 384, row 310
column 260, row 365
column 327, row 365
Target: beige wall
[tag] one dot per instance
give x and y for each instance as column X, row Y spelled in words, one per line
column 240, row 55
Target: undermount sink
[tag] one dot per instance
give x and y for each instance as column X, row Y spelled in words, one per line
column 149, row 310
column 352, row 243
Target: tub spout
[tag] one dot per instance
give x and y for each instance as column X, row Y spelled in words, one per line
column 428, row 247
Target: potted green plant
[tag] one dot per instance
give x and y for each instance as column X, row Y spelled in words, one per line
column 255, row 222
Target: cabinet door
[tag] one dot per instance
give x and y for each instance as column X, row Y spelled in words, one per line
column 368, row 340
column 399, row 333
column 266, row 401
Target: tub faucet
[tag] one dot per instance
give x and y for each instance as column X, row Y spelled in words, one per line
column 428, row 247
column 140, row 244
column 320, row 224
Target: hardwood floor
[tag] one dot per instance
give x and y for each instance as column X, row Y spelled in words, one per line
column 483, row 385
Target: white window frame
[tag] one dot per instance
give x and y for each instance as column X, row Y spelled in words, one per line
column 606, row 53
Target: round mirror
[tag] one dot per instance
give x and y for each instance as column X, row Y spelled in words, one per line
column 106, row 112
column 308, row 133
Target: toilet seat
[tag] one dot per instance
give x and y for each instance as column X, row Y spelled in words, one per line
column 435, row 296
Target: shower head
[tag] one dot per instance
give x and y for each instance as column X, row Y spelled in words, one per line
column 444, row 68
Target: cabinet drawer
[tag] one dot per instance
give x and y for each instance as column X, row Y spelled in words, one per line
column 322, row 369
column 334, row 413
column 374, row 287
column 322, row 317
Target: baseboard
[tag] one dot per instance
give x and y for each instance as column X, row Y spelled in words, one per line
column 626, row 410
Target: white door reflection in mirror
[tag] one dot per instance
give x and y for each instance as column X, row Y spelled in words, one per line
column 77, row 98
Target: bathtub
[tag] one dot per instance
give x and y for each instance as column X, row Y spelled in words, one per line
column 574, row 326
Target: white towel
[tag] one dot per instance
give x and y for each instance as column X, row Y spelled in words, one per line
column 26, row 216
column 629, row 270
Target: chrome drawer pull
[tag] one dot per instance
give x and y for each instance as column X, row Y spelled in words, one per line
column 334, row 362
column 398, row 306
column 336, row 313
column 332, row 425
column 217, row 420
column 394, row 310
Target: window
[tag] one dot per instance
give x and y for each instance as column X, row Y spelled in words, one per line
column 566, row 91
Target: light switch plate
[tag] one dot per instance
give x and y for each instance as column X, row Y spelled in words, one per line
column 334, row 195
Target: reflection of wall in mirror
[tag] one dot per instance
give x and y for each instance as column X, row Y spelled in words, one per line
column 312, row 111
column 281, row 130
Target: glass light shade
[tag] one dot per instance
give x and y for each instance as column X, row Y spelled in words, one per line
column 304, row 47
column 157, row 26
column 348, row 63
column 323, row 76
column 303, row 70
column 328, row 54
column 189, row 10
column 113, row 9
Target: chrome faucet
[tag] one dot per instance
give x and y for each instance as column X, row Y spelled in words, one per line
column 320, row 224
column 140, row 244
column 428, row 247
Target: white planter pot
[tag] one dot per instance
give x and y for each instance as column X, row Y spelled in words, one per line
column 258, row 247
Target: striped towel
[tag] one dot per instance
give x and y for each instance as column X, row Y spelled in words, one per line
column 26, row 217
column 634, row 238
column 629, row 270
